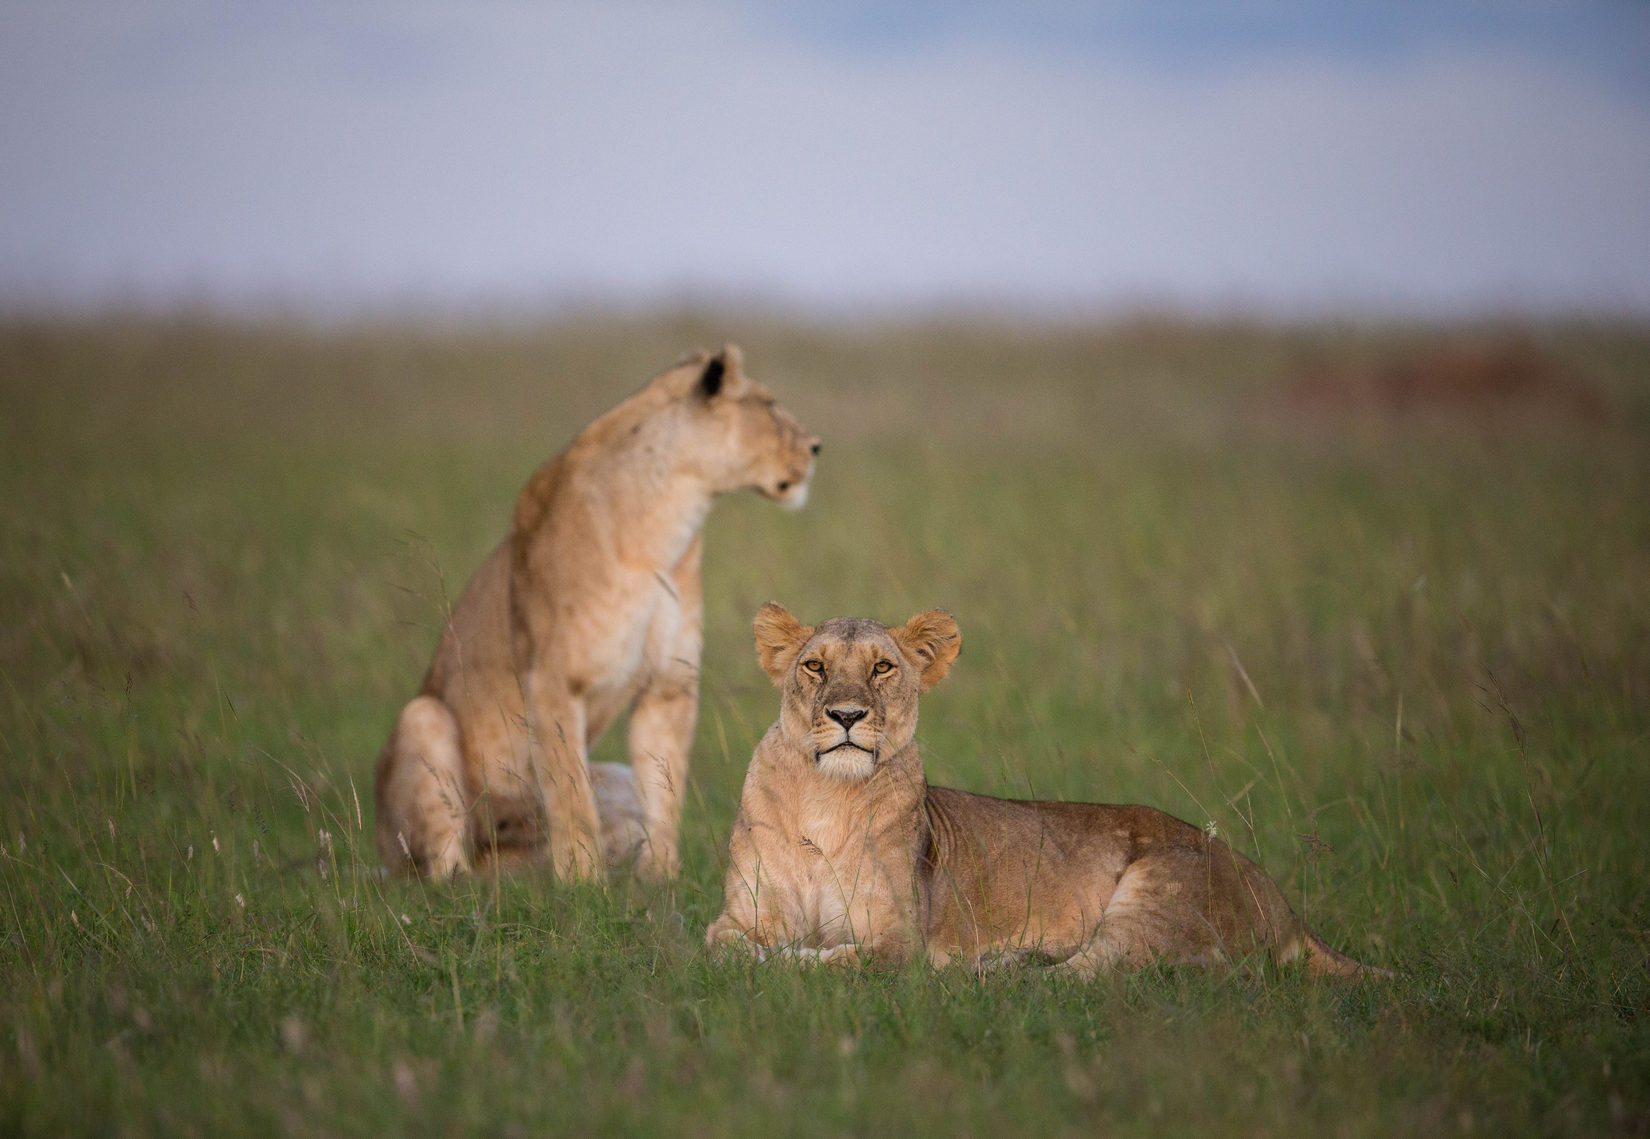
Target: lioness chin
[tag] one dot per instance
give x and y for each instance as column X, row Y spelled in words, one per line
column 841, row 846
column 590, row 606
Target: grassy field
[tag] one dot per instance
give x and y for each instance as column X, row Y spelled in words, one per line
column 1401, row 657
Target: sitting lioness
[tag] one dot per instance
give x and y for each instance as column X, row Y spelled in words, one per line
column 592, row 605
column 841, row 846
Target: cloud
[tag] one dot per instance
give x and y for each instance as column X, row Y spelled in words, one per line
column 376, row 154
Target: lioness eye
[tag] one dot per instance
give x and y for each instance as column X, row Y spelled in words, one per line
column 883, row 668
column 814, row 667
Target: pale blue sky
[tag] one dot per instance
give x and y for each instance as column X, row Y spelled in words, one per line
column 1279, row 157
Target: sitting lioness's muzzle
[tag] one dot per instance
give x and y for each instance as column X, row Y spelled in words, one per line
column 841, row 846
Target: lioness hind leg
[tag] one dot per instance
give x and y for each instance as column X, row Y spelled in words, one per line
column 1158, row 912
column 422, row 805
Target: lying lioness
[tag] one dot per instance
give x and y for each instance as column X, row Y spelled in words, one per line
column 591, row 606
column 841, row 846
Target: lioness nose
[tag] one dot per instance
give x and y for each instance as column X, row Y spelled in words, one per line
column 847, row 715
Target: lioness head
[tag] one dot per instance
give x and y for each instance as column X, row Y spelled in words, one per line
column 850, row 685
column 742, row 436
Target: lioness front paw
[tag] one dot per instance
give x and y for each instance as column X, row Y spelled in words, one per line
column 448, row 865
column 840, row 956
column 576, row 862
column 836, row 957
column 653, row 865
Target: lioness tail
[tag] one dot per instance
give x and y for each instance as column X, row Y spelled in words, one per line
column 1323, row 959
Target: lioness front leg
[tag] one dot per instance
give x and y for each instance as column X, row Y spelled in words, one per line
column 736, row 934
column 660, row 738
column 555, row 740
column 750, row 921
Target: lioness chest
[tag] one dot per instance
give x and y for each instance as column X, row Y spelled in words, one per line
column 631, row 645
column 825, row 858
column 619, row 631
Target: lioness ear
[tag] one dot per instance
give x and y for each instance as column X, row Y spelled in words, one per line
column 931, row 641
column 779, row 637
column 726, row 367
column 710, row 380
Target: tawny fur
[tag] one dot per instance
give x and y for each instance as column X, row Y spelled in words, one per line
column 840, row 845
column 591, row 606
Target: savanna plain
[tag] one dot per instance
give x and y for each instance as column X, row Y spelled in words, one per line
column 1377, row 618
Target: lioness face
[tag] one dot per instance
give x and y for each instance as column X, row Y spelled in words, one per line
column 849, row 687
column 748, row 439
column 779, row 450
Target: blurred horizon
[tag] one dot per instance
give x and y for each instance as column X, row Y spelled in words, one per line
column 1275, row 160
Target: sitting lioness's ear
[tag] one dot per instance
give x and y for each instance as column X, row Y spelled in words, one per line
column 710, row 380
column 726, row 365
column 779, row 637
column 931, row 641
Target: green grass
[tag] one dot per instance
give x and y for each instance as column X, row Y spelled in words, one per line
column 1405, row 663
